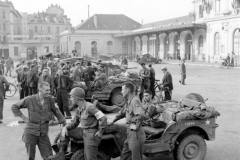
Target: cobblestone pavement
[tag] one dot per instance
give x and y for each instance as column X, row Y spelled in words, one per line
column 221, row 86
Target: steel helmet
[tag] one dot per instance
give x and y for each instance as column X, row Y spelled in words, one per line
column 78, row 93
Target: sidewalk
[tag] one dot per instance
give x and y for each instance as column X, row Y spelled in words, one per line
column 176, row 62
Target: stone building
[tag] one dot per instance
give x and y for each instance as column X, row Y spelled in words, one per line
column 96, row 36
column 40, row 33
column 29, row 35
column 222, row 18
column 209, row 34
column 10, row 24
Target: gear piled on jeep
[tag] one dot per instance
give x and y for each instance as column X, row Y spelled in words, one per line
column 126, row 77
column 192, row 108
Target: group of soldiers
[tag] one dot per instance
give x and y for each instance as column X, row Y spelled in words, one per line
column 40, row 81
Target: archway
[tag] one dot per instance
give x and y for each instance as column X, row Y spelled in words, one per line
column 200, row 45
column 217, row 40
column 176, row 51
column 77, row 47
column 166, row 47
column 109, row 47
column 188, row 47
column 236, row 45
column 94, row 48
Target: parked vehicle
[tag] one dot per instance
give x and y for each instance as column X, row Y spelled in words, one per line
column 148, row 58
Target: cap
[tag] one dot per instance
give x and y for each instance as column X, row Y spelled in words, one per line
column 164, row 68
column 78, row 93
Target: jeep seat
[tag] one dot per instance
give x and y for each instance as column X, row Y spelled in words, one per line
column 153, row 131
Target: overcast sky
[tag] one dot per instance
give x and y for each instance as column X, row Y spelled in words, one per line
column 140, row 10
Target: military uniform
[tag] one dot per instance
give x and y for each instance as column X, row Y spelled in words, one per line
column 145, row 84
column 183, row 73
column 133, row 145
column 36, row 130
column 63, row 84
column 167, row 85
column 3, row 82
column 152, row 81
column 88, row 116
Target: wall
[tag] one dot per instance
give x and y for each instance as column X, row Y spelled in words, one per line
column 68, row 43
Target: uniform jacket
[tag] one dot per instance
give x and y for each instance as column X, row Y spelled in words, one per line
column 88, row 117
column 39, row 115
column 167, row 81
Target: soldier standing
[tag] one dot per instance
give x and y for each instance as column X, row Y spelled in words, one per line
column 167, row 84
column 40, row 108
column 152, row 80
column 3, row 86
column 91, row 120
column 63, row 84
column 183, row 72
column 134, row 113
column 145, row 76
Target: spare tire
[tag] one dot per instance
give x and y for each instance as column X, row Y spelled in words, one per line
column 195, row 96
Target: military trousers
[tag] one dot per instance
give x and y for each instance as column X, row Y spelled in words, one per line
column 62, row 101
column 91, row 143
column 43, row 143
column 1, row 106
column 133, row 145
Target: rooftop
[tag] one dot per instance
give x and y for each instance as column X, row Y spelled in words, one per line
column 108, row 22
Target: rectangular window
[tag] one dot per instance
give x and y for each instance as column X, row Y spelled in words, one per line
column 4, row 27
column 3, row 14
column 36, row 29
column 49, row 30
column 15, row 51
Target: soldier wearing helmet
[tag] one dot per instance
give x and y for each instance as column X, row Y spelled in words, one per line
column 92, row 122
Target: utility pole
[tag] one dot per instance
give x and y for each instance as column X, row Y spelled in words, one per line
column 88, row 10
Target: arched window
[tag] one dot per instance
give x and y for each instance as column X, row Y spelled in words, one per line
column 236, row 42
column 77, row 48
column 217, row 43
column 124, row 47
column 109, row 47
column 94, row 48
column 200, row 44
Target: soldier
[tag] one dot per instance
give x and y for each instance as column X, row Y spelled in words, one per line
column 63, row 84
column 47, row 78
column 9, row 66
column 40, row 109
column 91, row 120
column 32, row 80
column 183, row 72
column 145, row 76
column 100, row 79
column 152, row 80
column 3, row 87
column 23, row 82
column 167, row 84
column 134, row 113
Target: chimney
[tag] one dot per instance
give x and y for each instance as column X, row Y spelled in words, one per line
column 95, row 20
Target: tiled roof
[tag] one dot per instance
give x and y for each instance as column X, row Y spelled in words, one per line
column 109, row 22
column 164, row 25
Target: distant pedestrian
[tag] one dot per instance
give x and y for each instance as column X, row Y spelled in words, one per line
column 232, row 59
column 183, row 72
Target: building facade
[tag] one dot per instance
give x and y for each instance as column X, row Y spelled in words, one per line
column 31, row 35
column 222, row 18
column 96, row 36
column 10, row 24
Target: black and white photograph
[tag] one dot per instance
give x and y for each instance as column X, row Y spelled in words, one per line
column 119, row 79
